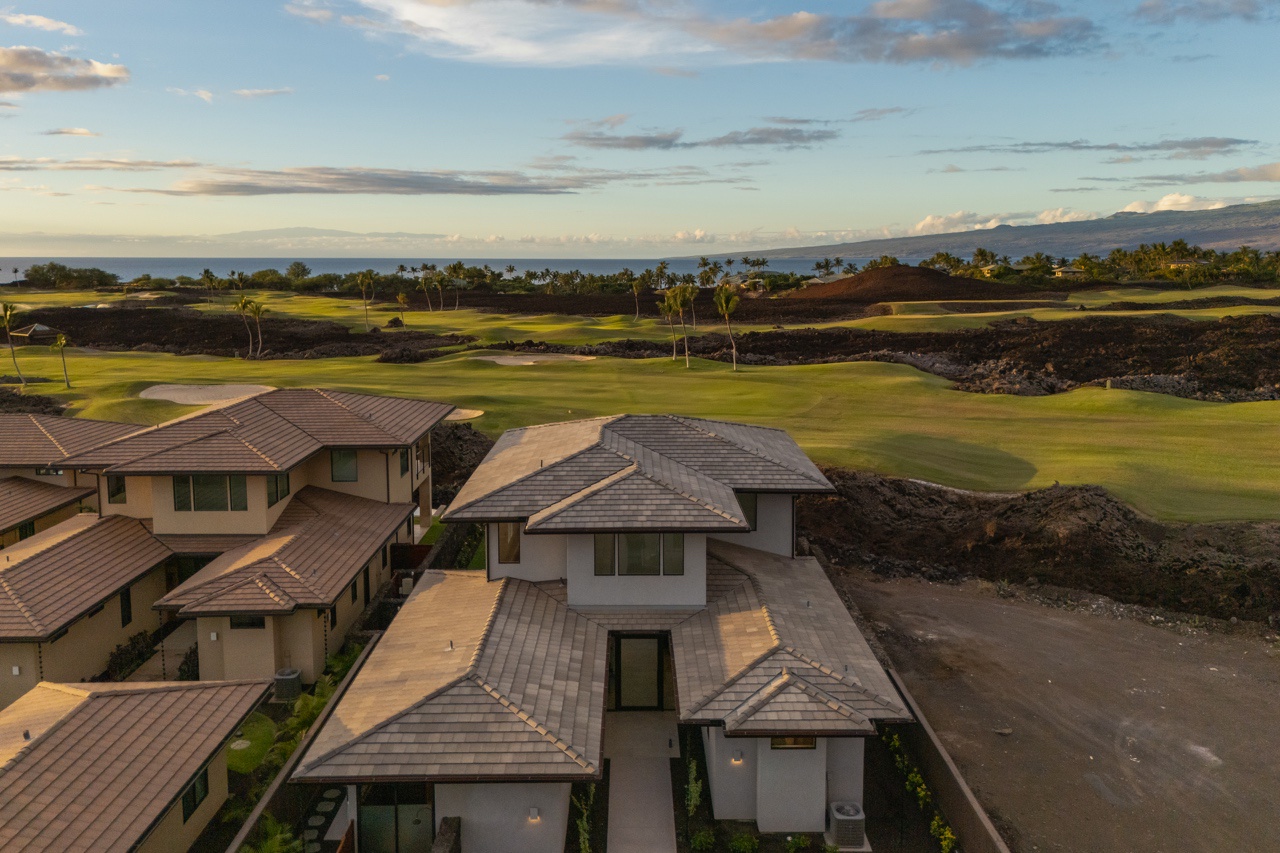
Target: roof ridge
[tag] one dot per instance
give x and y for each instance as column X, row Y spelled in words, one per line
column 757, row 700
column 523, row 478
column 570, row 501
column 534, row 723
column 674, row 489
column 49, row 436
column 753, row 451
column 732, row 680
column 104, row 519
column 473, row 666
column 844, row 679
column 167, row 449
column 20, row 605
column 327, row 392
column 696, row 474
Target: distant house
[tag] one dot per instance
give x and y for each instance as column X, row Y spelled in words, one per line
column 639, row 563
column 117, row 768
column 1185, row 263
column 1069, row 272
column 36, row 333
column 72, row 593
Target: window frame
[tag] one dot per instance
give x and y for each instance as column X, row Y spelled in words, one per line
column 26, row 529
column 613, row 554
column 275, row 493
column 126, row 607
column 195, row 794
column 752, row 514
column 503, row 554
column 794, row 742
column 117, row 495
column 404, row 461
column 334, row 454
column 247, row 623
column 665, row 545
column 622, row 556
column 235, row 492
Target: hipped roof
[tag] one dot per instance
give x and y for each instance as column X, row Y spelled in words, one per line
column 268, row 432
column 38, row 441
column 23, row 499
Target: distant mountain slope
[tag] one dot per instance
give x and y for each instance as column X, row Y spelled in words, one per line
column 1256, row 225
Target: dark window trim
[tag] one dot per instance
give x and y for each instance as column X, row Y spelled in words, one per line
column 498, row 533
column 333, row 472
column 126, row 607
column 794, row 742
column 235, row 487
column 120, row 495
column 192, row 797
column 617, row 562
column 247, row 623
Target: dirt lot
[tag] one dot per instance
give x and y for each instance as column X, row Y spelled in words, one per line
column 1122, row 736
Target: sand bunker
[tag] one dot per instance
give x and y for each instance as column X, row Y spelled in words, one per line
column 525, row 359
column 464, row 414
column 199, row 395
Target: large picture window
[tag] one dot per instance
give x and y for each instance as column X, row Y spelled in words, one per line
column 277, row 488
column 115, row 489
column 793, row 743
column 606, row 560
column 195, row 795
column 509, row 542
column 210, row 493
column 639, row 554
column 343, row 466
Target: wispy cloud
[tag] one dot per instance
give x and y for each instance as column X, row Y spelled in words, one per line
column 1266, row 173
column 788, row 135
column 1169, row 11
column 30, row 69
column 71, row 131
column 1175, row 201
column 673, row 35
column 966, row 220
column 871, row 114
column 203, row 94
column 262, row 93
column 952, row 169
column 40, row 22
column 50, row 164
column 312, row 10
column 1197, row 148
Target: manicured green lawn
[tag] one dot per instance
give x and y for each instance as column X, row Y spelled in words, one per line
column 260, row 731
column 1170, row 457
column 432, row 533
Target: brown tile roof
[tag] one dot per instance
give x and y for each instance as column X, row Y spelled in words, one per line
column 778, row 652
column 107, row 761
column 22, row 499
column 272, row 431
column 37, row 441
column 473, row 680
column 317, row 547
column 49, row 580
column 632, row 472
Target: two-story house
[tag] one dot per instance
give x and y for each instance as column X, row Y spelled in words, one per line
column 37, row 490
column 635, row 563
column 280, row 509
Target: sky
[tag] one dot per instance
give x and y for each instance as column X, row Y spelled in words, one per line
column 615, row 128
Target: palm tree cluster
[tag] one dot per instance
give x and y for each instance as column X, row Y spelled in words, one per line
column 248, row 307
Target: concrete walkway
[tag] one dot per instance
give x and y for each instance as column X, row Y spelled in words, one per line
column 163, row 665
column 640, row 746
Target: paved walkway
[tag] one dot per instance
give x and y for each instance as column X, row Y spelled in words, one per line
column 163, row 665
column 640, row 746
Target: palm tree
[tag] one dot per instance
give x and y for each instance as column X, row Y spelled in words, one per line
column 61, row 346
column 402, row 299
column 15, row 274
column 242, row 308
column 365, row 281
column 207, row 278
column 429, row 275
column 9, row 313
column 401, row 269
column 256, row 310
column 637, row 285
column 667, row 307
column 726, row 303
column 682, row 297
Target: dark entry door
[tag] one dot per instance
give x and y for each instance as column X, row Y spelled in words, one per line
column 638, row 672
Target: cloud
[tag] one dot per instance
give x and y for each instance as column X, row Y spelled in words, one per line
column 312, row 10
column 1266, row 173
column 71, row 131
column 382, row 78
column 1174, row 201
column 965, row 220
column 1196, row 148
column 669, row 140
column 952, row 169
column 878, row 113
column 40, row 22
column 203, row 94
column 30, row 69
column 1169, row 11
column 50, row 164
column 674, row 35
column 262, row 93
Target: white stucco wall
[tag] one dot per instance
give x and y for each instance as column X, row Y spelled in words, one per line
column 542, row 557
column 845, row 769
column 256, row 520
column 774, row 526
column 588, row 590
column 495, row 816
column 791, row 788
column 732, row 786
column 372, row 469
column 137, row 494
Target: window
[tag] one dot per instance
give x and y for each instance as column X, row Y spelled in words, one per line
column 277, row 488
column 606, row 558
column 238, row 622
column 509, row 542
column 748, row 501
column 333, row 617
column 354, row 594
column 126, row 608
column 673, row 553
column 404, row 461
column 26, row 528
column 195, row 794
column 639, row 554
column 48, row 472
column 793, row 743
column 115, row 489
column 343, row 466
column 210, row 493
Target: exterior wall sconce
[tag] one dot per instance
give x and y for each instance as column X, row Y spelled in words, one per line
column 17, row 670
column 534, row 817
column 213, row 636
column 737, row 757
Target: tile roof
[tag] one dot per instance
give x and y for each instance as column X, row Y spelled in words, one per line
column 22, row 499
column 37, row 441
column 632, row 472
column 473, row 680
column 49, row 580
column 499, row 680
column 315, row 549
column 778, row 652
column 107, row 761
column 271, row 431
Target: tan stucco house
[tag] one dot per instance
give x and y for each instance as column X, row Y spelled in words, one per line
column 636, row 565
column 117, row 768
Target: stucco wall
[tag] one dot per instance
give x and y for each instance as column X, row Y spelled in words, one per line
column 372, row 472
column 774, row 527
column 82, row 653
column 23, row 656
column 44, row 522
column 495, row 816
column 172, row 834
column 242, row 653
column 845, row 769
column 586, row 589
column 138, row 493
column 791, row 788
column 542, row 557
column 300, row 642
column 733, row 786
column 257, row 519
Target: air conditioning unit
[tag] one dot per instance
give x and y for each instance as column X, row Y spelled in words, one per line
column 846, row 825
column 406, row 586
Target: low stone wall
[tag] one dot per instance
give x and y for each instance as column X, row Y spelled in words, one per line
column 974, row 830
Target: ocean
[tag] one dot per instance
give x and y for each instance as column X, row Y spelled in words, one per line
column 130, row 268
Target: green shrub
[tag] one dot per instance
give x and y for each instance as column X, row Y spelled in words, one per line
column 128, row 657
column 693, row 791
column 585, row 805
column 703, row 841
column 189, row 669
column 744, row 842
column 796, row 843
